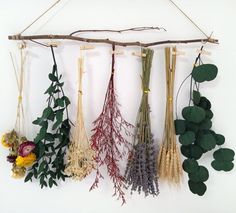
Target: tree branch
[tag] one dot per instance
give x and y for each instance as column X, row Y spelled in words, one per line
column 108, row 41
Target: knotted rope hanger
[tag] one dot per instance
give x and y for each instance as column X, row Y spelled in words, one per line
column 71, row 36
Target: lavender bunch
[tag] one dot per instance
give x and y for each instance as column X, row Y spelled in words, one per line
column 141, row 172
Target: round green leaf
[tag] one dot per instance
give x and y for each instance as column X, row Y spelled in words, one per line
column 204, row 72
column 200, row 175
column 190, row 165
column 196, row 152
column 194, row 114
column 228, row 166
column 187, row 138
column 197, row 188
column 220, row 139
column 196, row 97
column 209, row 114
column 224, row 154
column 207, row 142
column 222, row 166
column 217, row 165
column 185, row 150
column 206, row 124
column 179, row 126
column 204, row 103
column 190, row 126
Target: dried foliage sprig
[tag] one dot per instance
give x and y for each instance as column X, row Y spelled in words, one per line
column 107, row 140
column 196, row 134
column 80, row 154
column 54, row 134
column 141, row 170
column 169, row 165
column 21, row 153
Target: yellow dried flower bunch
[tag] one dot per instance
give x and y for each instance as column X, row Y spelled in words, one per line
column 20, row 153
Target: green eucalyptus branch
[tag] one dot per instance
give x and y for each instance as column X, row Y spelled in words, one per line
column 196, row 134
column 54, row 134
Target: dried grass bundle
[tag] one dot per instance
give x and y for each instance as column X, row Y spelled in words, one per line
column 169, row 165
column 80, row 155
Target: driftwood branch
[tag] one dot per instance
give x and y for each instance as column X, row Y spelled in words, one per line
column 72, row 36
column 112, row 42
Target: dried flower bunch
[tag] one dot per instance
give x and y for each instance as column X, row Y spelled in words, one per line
column 108, row 140
column 80, row 154
column 21, row 153
column 169, row 165
column 196, row 136
column 20, row 149
column 54, row 134
column 141, row 170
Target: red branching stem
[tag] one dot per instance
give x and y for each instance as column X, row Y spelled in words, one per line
column 107, row 139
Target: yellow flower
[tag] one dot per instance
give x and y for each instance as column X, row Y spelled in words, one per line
column 18, row 172
column 4, row 142
column 26, row 161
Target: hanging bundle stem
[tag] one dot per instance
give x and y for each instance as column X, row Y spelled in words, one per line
column 19, row 125
column 141, row 172
column 15, row 140
column 169, row 164
column 107, row 139
column 80, row 157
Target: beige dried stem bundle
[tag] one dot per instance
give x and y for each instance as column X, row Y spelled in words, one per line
column 169, row 165
column 80, row 155
column 16, row 136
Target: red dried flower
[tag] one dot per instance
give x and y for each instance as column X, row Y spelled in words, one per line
column 108, row 141
column 26, row 148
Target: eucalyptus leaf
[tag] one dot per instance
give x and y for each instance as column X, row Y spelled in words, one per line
column 222, row 166
column 204, row 72
column 190, row 165
column 52, row 77
column 201, row 174
column 207, row 142
column 220, row 139
column 187, row 138
column 196, row 152
column 205, row 124
column 204, row 103
column 194, row 114
column 196, row 97
column 47, row 112
column 179, row 126
column 224, row 154
column 197, row 188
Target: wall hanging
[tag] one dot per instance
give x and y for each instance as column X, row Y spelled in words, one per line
column 109, row 142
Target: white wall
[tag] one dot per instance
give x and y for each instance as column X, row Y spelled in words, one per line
column 211, row 15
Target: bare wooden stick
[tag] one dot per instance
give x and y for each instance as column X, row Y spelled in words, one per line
column 108, row 41
column 121, row 31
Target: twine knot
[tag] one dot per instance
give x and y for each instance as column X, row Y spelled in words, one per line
column 20, row 98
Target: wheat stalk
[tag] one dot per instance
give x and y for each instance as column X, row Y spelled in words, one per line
column 169, row 165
